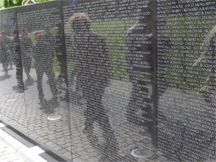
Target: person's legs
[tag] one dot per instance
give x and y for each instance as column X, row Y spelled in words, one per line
column 95, row 89
column 5, row 62
column 11, row 60
column 19, row 74
column 63, row 72
column 51, row 80
column 89, row 110
column 89, row 114
column 39, row 73
column 5, row 66
column 28, row 66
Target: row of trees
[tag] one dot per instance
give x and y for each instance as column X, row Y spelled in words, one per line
column 14, row 3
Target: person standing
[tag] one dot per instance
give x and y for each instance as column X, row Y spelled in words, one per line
column 26, row 52
column 18, row 61
column 5, row 53
column 43, row 56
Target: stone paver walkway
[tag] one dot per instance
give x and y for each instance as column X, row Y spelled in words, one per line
column 21, row 110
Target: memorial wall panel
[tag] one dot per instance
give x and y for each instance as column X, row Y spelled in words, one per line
column 186, row 109
column 42, row 50
column 13, row 105
column 110, row 73
column 112, row 80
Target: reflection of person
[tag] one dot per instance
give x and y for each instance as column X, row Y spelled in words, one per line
column 43, row 56
column 17, row 60
column 61, row 56
column 5, row 53
column 92, row 67
column 49, row 37
column 139, row 57
column 140, row 42
column 26, row 50
column 9, row 44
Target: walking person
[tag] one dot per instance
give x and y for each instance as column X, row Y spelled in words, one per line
column 92, row 68
column 61, row 51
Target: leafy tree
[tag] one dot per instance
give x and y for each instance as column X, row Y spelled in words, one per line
column 14, row 3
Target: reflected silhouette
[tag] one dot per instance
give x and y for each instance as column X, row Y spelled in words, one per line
column 4, row 53
column 43, row 55
column 140, row 55
column 92, row 69
column 18, row 61
column 140, row 64
column 61, row 56
column 26, row 53
column 9, row 43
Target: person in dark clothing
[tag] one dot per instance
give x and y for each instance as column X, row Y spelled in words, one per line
column 43, row 56
column 139, row 58
column 18, row 61
column 9, row 44
column 61, row 51
column 49, row 37
column 140, row 53
column 4, row 53
column 92, row 68
column 26, row 52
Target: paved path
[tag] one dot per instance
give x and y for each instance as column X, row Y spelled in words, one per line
column 21, row 110
column 8, row 155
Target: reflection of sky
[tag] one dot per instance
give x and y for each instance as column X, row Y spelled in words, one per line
column 72, row 2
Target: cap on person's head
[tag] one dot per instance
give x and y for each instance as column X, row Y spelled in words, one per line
column 37, row 34
column 79, row 17
column 24, row 31
column 16, row 31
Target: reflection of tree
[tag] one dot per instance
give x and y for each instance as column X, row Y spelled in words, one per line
column 6, row 23
column 14, row 3
column 26, row 2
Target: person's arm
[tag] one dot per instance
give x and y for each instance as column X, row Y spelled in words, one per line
column 106, row 56
column 129, row 49
column 74, row 48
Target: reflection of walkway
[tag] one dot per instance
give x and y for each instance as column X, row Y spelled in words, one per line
column 21, row 110
column 186, row 123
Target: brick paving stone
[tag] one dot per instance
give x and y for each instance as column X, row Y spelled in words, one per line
column 66, row 134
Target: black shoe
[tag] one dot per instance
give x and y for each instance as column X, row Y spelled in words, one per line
column 64, row 99
column 29, row 81
column 93, row 140
column 54, row 103
column 49, row 111
column 44, row 104
column 19, row 88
